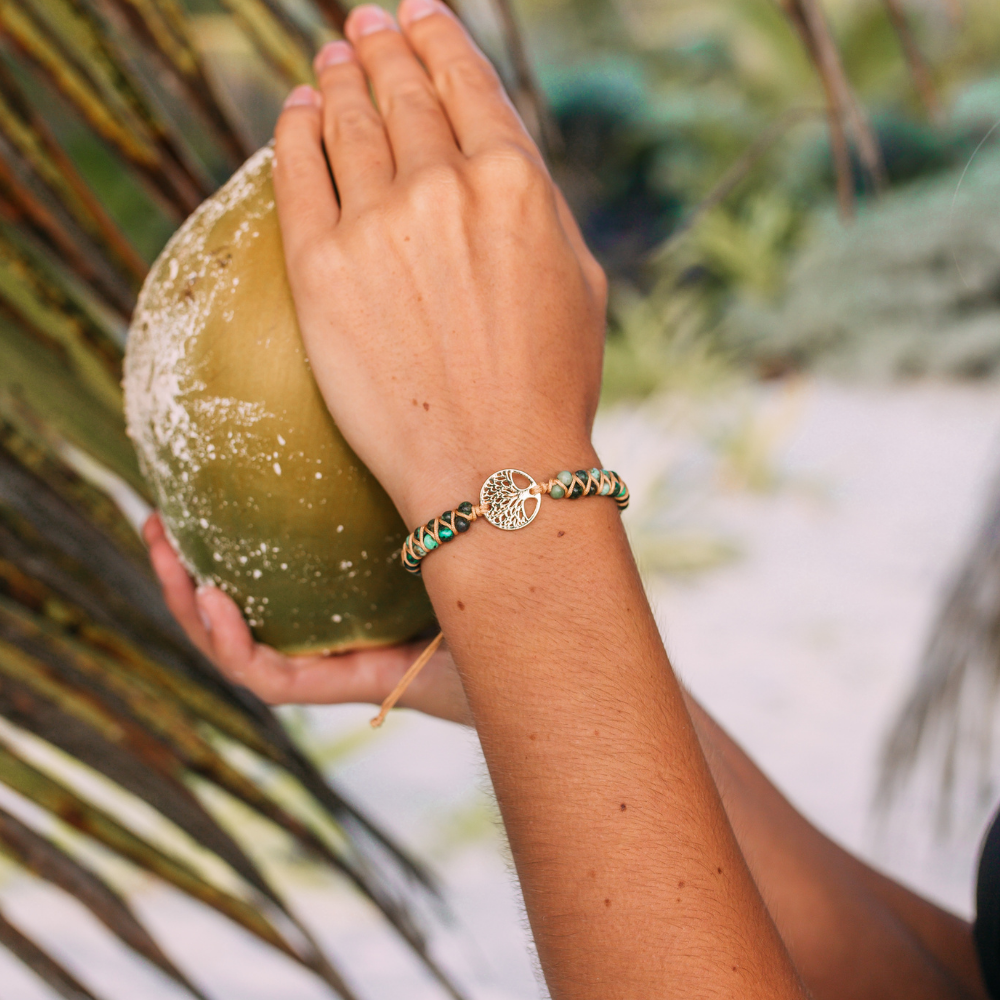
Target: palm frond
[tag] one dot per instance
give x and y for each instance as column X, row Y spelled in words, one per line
column 103, row 703
column 41, row 963
column 38, row 855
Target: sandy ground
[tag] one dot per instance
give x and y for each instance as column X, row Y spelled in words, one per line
column 834, row 517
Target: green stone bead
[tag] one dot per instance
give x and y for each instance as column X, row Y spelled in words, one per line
column 445, row 534
column 429, row 542
column 565, row 478
column 605, row 489
column 465, row 508
column 557, row 492
column 461, row 524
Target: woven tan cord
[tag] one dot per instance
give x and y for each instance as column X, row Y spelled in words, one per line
column 404, row 682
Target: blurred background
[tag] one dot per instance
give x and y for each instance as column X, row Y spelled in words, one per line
column 798, row 205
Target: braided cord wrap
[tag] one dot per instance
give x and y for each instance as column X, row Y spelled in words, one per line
column 566, row 485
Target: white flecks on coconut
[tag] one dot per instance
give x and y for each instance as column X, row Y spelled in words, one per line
column 169, row 406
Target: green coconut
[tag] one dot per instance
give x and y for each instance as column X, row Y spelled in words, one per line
column 258, row 491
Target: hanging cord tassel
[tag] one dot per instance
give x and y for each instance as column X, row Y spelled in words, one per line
column 404, row 682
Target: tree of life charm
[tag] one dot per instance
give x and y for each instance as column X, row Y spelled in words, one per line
column 506, row 502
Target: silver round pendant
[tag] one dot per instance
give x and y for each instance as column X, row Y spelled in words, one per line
column 507, row 501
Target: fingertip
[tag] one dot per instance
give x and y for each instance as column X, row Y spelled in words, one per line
column 167, row 566
column 303, row 96
column 410, row 11
column 152, row 530
column 224, row 622
column 333, row 54
column 366, row 19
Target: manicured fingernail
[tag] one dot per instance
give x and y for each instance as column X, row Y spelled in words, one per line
column 202, row 613
column 367, row 19
column 331, row 54
column 414, row 10
column 302, row 95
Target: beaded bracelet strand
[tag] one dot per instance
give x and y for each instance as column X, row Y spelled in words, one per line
column 504, row 504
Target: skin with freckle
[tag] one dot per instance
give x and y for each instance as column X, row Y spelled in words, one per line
column 256, row 487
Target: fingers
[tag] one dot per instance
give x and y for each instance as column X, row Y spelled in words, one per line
column 213, row 622
column 468, row 87
column 418, row 130
column 272, row 676
column 307, row 206
column 365, row 676
column 177, row 585
column 356, row 143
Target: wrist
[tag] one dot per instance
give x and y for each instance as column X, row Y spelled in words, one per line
column 434, row 487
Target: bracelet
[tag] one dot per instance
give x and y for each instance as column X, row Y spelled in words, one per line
column 505, row 505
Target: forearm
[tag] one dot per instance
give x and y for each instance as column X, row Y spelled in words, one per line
column 633, row 881
column 853, row 934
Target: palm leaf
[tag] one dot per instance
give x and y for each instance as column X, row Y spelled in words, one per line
column 96, row 680
column 41, row 963
column 33, row 852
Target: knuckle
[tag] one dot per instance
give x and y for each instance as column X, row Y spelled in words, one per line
column 292, row 165
column 437, row 186
column 466, row 73
column 270, row 690
column 410, row 96
column 596, row 278
column 510, row 171
column 355, row 123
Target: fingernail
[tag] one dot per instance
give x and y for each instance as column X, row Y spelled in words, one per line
column 368, row 19
column 202, row 613
column 414, row 10
column 331, row 54
column 301, row 96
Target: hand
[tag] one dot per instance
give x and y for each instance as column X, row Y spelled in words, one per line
column 452, row 315
column 214, row 624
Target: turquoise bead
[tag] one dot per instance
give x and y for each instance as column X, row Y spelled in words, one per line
column 557, row 493
column 445, row 534
column 565, row 478
column 596, row 473
column 605, row 489
column 429, row 542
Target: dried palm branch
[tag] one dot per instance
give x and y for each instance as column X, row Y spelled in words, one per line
column 524, row 88
column 844, row 111
column 920, row 72
column 103, row 702
column 950, row 708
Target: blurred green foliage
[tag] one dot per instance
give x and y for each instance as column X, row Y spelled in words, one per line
column 657, row 102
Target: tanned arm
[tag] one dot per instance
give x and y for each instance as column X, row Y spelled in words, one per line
column 853, row 933
column 454, row 322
